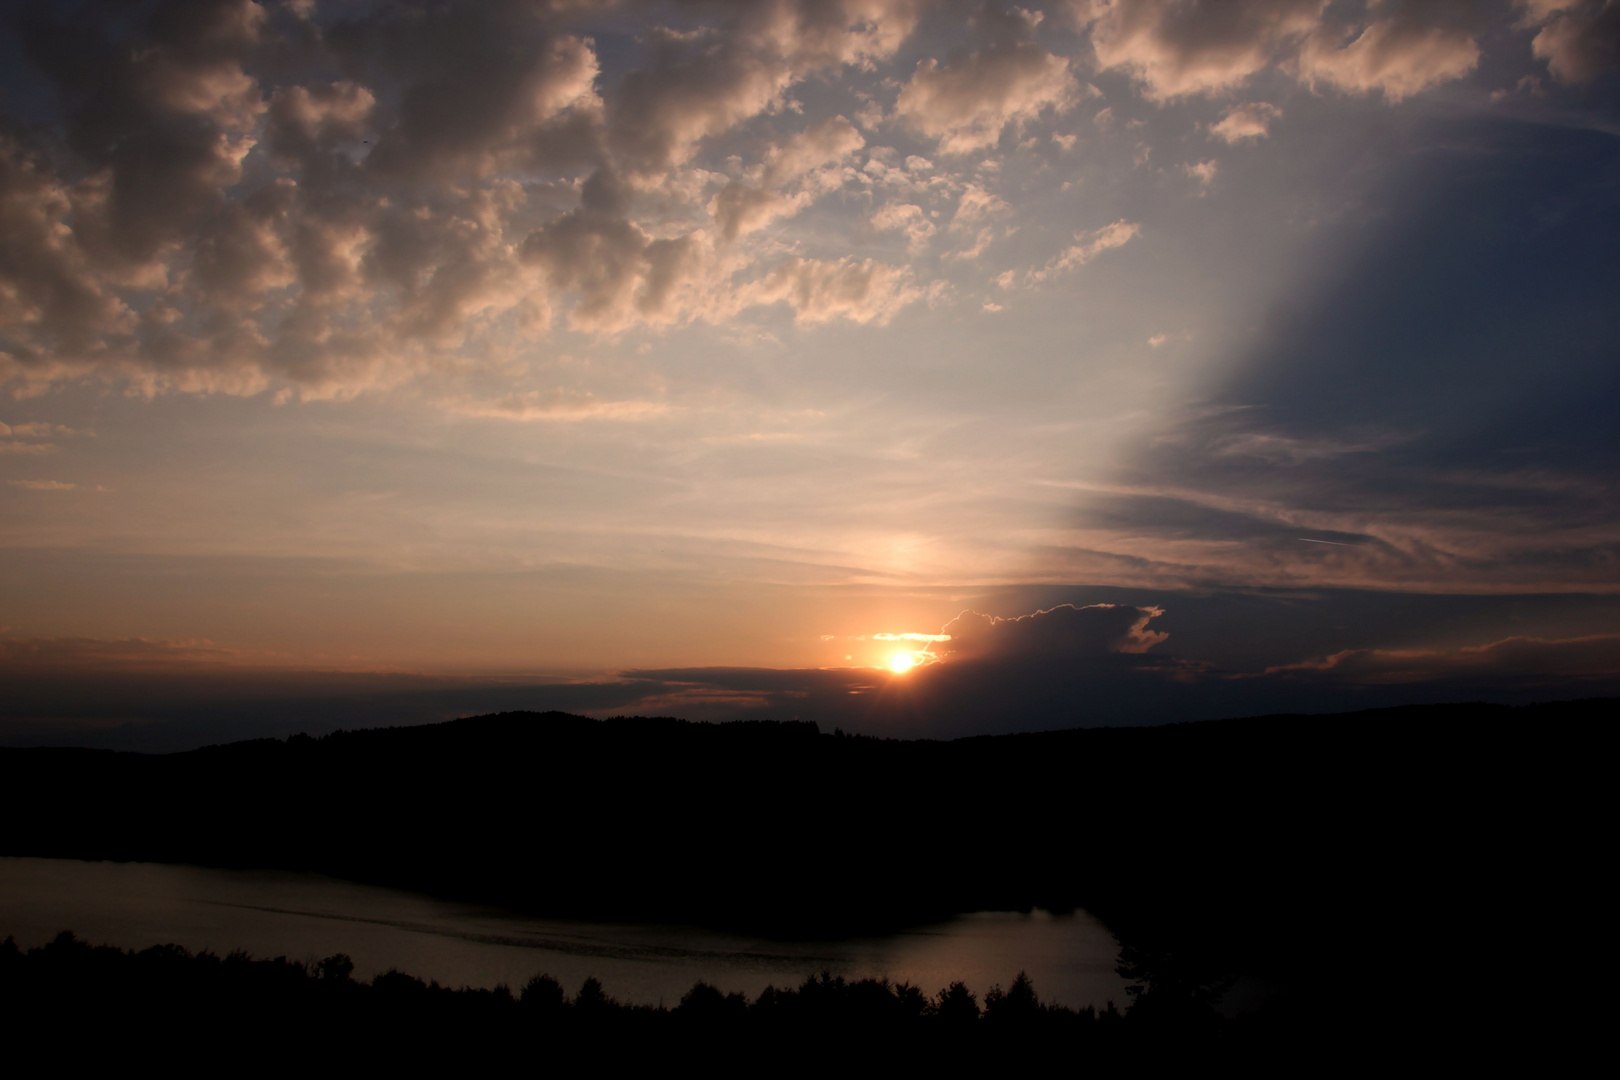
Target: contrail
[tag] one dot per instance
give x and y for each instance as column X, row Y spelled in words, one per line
column 1335, row 543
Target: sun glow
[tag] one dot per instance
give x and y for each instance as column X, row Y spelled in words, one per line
column 902, row 662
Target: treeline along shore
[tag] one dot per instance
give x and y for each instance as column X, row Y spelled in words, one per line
column 1309, row 851
column 75, row 1000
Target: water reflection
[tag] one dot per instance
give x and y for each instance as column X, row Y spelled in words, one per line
column 304, row 916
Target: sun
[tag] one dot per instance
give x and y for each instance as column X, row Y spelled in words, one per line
column 902, row 662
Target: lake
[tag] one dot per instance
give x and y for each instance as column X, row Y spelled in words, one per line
column 305, row 916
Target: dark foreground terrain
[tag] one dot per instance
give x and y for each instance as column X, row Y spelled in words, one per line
column 1402, row 855
column 82, row 1004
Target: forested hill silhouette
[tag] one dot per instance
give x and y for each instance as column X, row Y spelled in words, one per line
column 1281, row 845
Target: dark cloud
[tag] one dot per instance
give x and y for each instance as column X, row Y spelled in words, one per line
column 469, row 88
column 1562, row 665
column 1184, row 656
column 615, row 268
column 1047, row 681
column 1579, row 39
column 161, row 125
column 1061, row 632
column 1432, row 412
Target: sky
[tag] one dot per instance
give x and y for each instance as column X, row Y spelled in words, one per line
column 1109, row 362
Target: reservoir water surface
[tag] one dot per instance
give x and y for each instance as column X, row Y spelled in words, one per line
column 1070, row 957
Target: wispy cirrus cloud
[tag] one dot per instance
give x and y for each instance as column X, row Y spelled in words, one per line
column 1088, row 246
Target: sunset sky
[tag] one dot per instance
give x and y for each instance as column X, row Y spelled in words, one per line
column 686, row 357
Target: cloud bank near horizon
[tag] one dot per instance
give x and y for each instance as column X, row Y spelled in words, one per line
column 1061, row 667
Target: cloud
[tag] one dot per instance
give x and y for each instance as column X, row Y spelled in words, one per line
column 217, row 196
column 660, row 113
column 1065, row 631
column 43, row 485
column 1281, row 449
column 1203, row 172
column 1096, row 664
column 36, row 429
column 159, row 696
column 1090, row 245
column 236, row 198
column 1579, row 39
column 1176, row 48
column 907, row 217
column 860, row 290
column 832, row 140
column 699, row 86
column 1064, row 666
column 1058, row 667
column 471, row 89
column 621, row 274
column 536, row 406
column 1560, row 662
column 103, row 654
column 1398, row 57
column 1382, row 408
column 813, row 34
column 977, row 203
column 967, row 102
column 1243, row 122
column 740, row 207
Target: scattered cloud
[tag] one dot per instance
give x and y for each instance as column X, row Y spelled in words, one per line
column 560, row 407
column 1398, row 57
column 1579, row 39
column 908, row 218
column 1177, row 48
column 245, row 200
column 968, row 101
column 1089, row 245
column 740, row 207
column 1245, row 122
column 860, row 290
column 1202, row 171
